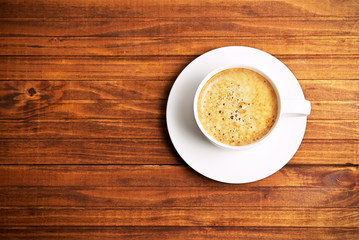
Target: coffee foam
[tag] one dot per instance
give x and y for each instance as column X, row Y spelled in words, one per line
column 237, row 106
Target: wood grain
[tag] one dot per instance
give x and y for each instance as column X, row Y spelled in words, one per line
column 177, row 216
column 164, row 46
column 334, row 110
column 331, row 90
column 32, row 109
column 179, row 197
column 146, row 128
column 181, row 233
column 327, row 152
column 157, row 67
column 150, row 151
column 96, row 151
column 84, row 148
column 176, row 8
column 336, row 129
column 133, row 186
column 180, row 27
column 134, row 99
column 16, row 93
column 102, row 128
column 97, row 109
column 127, row 176
column 331, row 99
column 92, row 68
column 143, row 99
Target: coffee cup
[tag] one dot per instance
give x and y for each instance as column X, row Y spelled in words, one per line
column 238, row 107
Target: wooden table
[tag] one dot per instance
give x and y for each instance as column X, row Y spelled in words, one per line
column 84, row 148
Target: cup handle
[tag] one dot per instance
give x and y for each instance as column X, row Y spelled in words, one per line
column 295, row 108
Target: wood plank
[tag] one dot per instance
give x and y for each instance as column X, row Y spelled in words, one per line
column 334, row 110
column 180, row 27
column 331, row 99
column 327, row 152
column 92, row 68
column 313, row 68
column 89, row 128
column 36, row 108
column 162, row 176
column 146, row 128
column 220, row 216
column 140, row 109
column 162, row 68
column 31, row 97
column 14, row 93
column 149, row 151
column 336, row 129
column 111, row 120
column 180, row 233
column 137, row 46
column 176, row 8
column 92, row 151
column 177, row 196
column 331, row 90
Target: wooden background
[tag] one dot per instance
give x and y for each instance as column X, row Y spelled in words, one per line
column 84, row 148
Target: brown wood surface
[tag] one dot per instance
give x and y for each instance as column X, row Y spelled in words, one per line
column 84, row 147
column 183, row 232
column 157, row 68
column 137, row 46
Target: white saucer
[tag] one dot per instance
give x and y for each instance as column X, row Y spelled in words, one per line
column 221, row 164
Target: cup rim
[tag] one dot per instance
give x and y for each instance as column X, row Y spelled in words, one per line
column 212, row 139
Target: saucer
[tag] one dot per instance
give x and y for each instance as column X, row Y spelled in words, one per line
column 231, row 166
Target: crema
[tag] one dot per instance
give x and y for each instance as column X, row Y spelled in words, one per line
column 237, row 106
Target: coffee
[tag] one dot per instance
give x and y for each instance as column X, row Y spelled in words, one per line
column 237, row 106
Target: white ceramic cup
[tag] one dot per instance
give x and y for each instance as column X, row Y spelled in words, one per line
column 286, row 108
